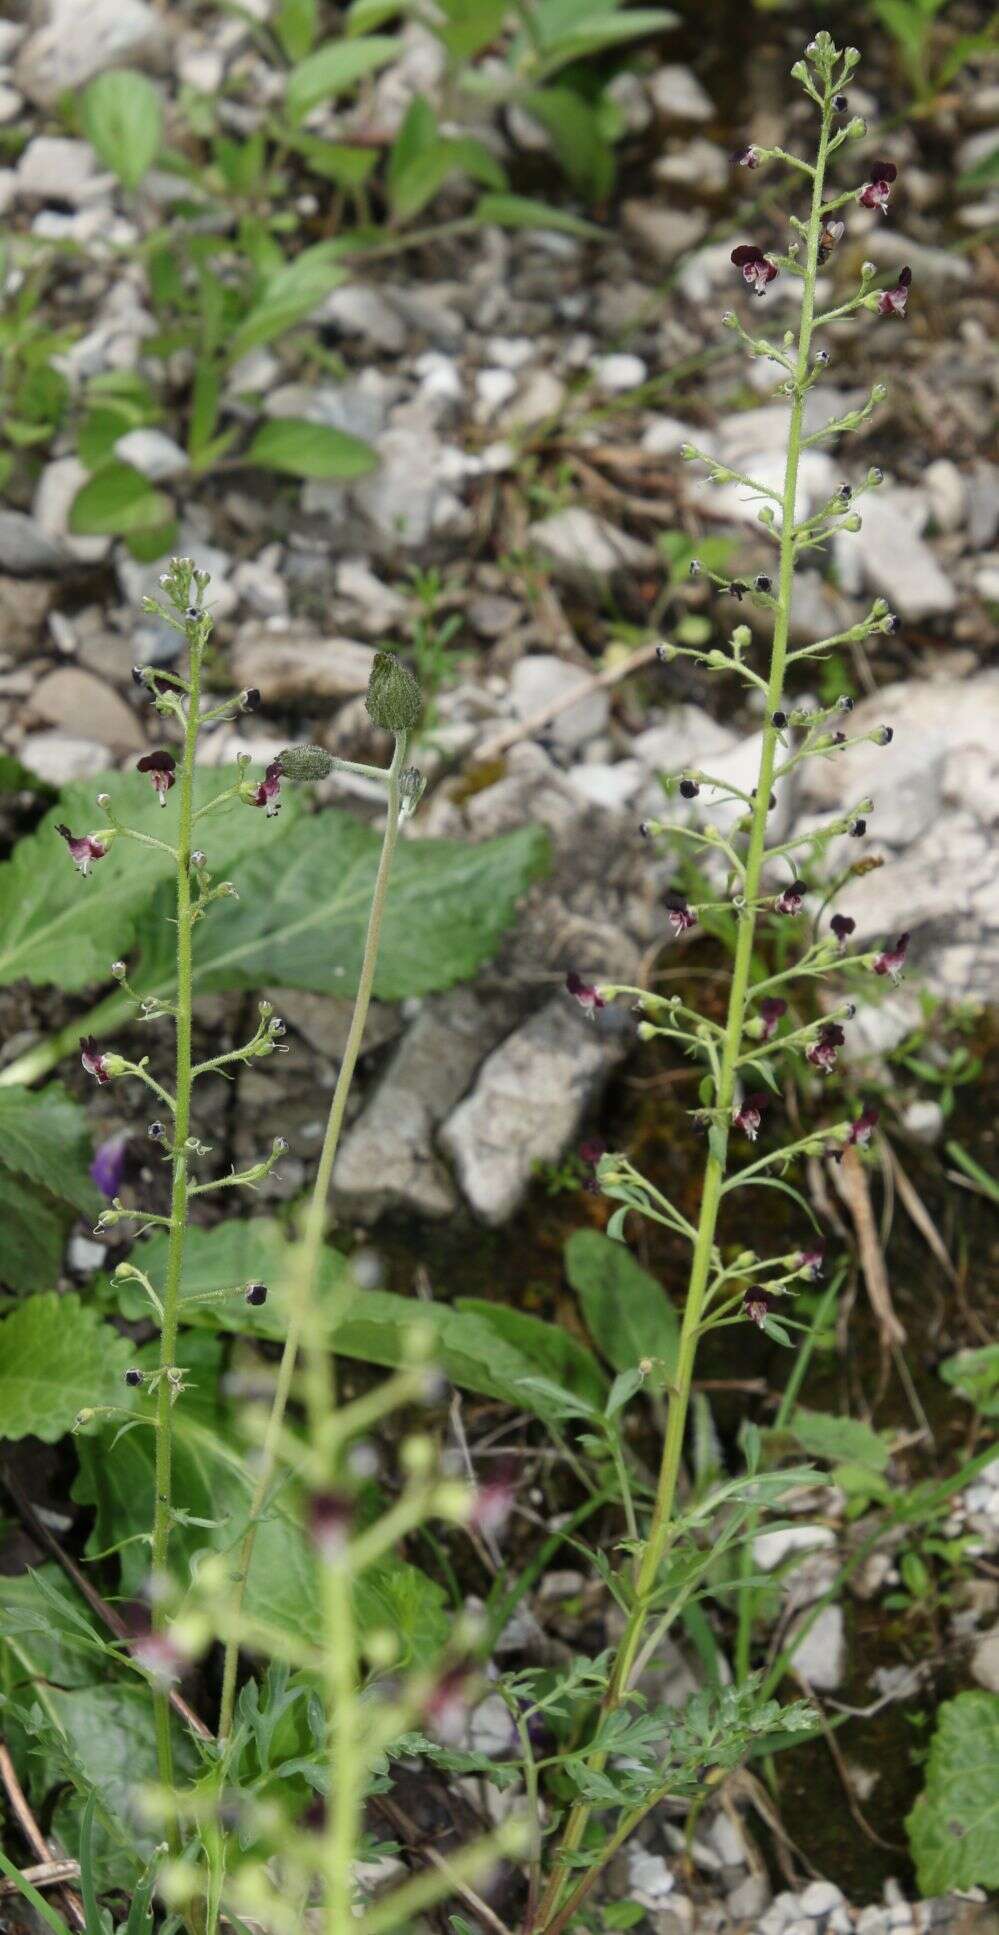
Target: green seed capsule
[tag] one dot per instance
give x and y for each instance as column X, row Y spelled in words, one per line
column 306, row 762
column 394, row 700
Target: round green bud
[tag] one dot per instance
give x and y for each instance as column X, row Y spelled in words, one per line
column 305, row 762
column 394, row 700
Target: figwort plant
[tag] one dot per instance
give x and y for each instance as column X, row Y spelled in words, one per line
column 763, row 882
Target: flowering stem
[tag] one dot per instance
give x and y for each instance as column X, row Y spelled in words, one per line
column 647, row 1576
column 178, row 1203
column 307, row 1263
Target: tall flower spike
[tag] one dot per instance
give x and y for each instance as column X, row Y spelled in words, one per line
column 892, row 959
column 757, row 268
column 161, row 767
column 84, row 848
column 875, row 192
column 891, row 302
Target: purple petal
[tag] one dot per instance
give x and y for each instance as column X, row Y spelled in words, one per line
column 108, row 1167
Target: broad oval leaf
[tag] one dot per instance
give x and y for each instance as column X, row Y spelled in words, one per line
column 304, row 449
column 118, row 501
column 335, row 68
column 122, row 118
column 56, row 1357
column 628, row 1314
column 954, row 1826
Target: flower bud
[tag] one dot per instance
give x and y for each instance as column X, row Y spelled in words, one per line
column 305, row 762
column 687, row 452
column 133, row 1377
column 856, row 128
column 394, row 701
column 852, row 523
column 199, row 859
column 875, row 476
column 255, row 1294
column 118, row 970
column 412, row 786
column 741, row 637
column 665, row 654
column 103, row 799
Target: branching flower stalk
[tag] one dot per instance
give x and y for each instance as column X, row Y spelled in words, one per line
column 750, row 1040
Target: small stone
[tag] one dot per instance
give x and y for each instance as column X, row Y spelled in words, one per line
column 58, row 757
column 82, row 704
column 727, row 1840
column 26, row 551
column 770, row 1549
column 581, row 547
column 924, row 1119
column 493, row 388
column 610, row 786
column 262, row 589
column 664, row 436
column 539, row 680
column 748, row 1899
column 53, row 168
column 359, row 310
column 650, row 1879
column 944, row 486
column 56, row 490
column 293, row 663
column 85, row 1256
column 80, row 38
column 540, row 397
column 152, row 452
column 664, row 232
column 821, row 1656
column 985, row 1661
column 697, row 164
column 677, row 95
column 820, row 1898
column 619, row 373
column 25, row 604
column 893, row 558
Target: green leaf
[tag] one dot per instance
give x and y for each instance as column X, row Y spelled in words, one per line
column 839, row 1440
column 628, row 1314
column 56, row 1356
column 975, row 1373
column 122, row 119
column 296, row 24
column 594, row 33
column 116, row 501
column 30, row 1893
column 34, row 1228
column 44, row 1615
column 45, row 1138
column 574, row 128
column 469, row 25
column 56, row 928
column 291, row 294
column 301, row 923
column 335, row 68
column 304, row 449
column 520, row 211
column 547, row 1347
column 954, row 1826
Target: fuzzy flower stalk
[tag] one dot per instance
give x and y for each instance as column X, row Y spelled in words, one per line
column 766, row 884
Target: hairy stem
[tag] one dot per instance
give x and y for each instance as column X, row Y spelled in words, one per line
column 714, row 1176
column 178, row 1203
column 307, row 1263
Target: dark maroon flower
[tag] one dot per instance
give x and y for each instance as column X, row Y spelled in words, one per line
column 250, row 699
column 162, row 769
column 255, row 1294
column 689, row 789
column 857, row 829
column 749, row 1114
column 591, row 1154
column 757, row 268
column 737, row 590
column 771, row 1011
column 83, row 847
column 108, row 1166
column 133, row 1377
column 330, row 1518
column 876, row 191
column 822, row 1052
column 842, row 926
column 789, row 902
column 892, row 960
column 809, row 1262
column 93, row 1061
column 891, row 302
column 746, row 157
column 757, row 1305
column 585, row 993
column 862, row 1130
column 678, row 914
column 266, row 794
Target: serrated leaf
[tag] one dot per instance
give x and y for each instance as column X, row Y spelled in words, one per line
column 118, row 501
column 290, row 295
column 122, row 118
column 840, row 1440
column 56, row 1356
column 45, row 1137
column 335, row 68
column 628, row 1313
column 57, row 928
column 303, row 449
column 954, row 1826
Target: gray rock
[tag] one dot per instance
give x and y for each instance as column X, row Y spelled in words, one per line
column 889, row 555
column 697, row 164
column 528, row 1102
column 618, row 373
column 24, row 607
column 771, row 1549
column 359, row 310
column 687, row 737
column 80, row 38
column 650, row 1878
column 610, row 786
column 944, row 486
column 152, row 452
column 57, row 487
column 939, row 269
column 324, row 1020
column 581, row 547
column 820, row 1657
column 387, row 1158
column 820, row 1898
column 261, row 588
column 26, row 551
column 664, row 436
column 407, row 500
column 540, row 396
column 664, row 232
column 291, row 662
column 53, row 168
column 81, row 704
column 985, row 1661
column 677, row 95
column 541, row 680
column 748, row 1899
column 924, row 1119
column 58, row 757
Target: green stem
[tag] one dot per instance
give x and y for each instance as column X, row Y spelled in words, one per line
column 178, row 1205
column 345, row 1769
column 714, row 1176
column 307, row 1265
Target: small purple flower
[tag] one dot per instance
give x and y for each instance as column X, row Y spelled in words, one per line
column 93, row 1061
column 757, row 1305
column 862, row 1130
column 447, row 1704
column 83, row 847
column 757, row 268
column 822, row 1052
column 585, row 993
column 771, row 1011
column 746, row 157
column 789, row 902
column 678, row 914
column 162, row 769
column 108, row 1166
column 892, row 959
column 266, row 794
column 749, row 1114
column 809, row 1263
column 891, row 302
column 842, row 926
column 492, row 1504
column 876, row 191
column 591, row 1153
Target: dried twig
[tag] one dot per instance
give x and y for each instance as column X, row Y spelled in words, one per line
column 33, row 1833
column 851, row 1183
column 48, row 1874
